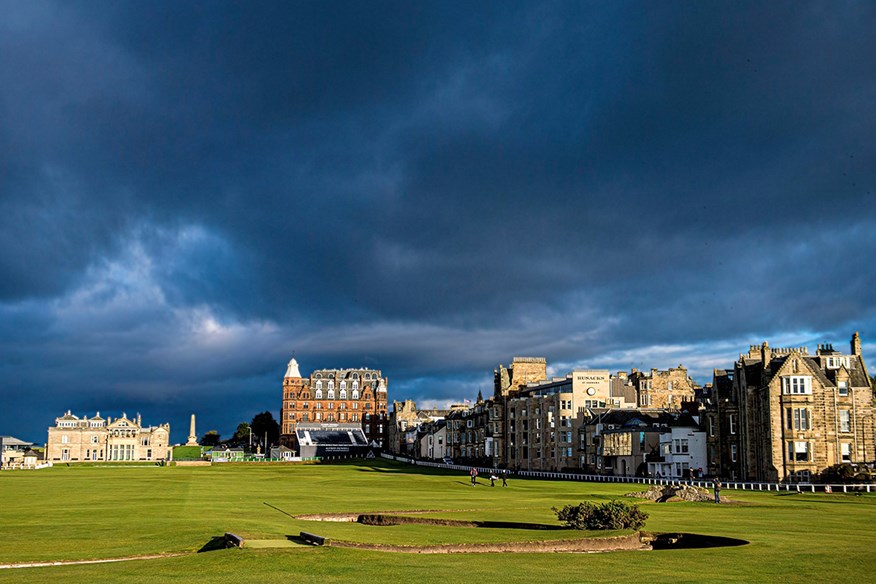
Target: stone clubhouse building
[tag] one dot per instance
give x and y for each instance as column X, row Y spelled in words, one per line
column 75, row 439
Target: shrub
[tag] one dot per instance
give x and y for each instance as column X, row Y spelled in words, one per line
column 611, row 515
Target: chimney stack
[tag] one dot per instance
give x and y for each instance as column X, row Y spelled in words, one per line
column 856, row 344
column 765, row 353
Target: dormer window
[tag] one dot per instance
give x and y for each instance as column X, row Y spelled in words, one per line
column 843, row 388
column 331, row 384
column 355, row 393
column 343, row 385
column 331, row 394
column 343, row 393
column 355, row 384
column 319, row 385
column 318, row 394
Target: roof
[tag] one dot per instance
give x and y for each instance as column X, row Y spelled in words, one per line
column 12, row 441
column 631, row 419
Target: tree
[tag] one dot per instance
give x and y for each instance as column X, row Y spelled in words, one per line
column 242, row 433
column 264, row 424
column 211, row 438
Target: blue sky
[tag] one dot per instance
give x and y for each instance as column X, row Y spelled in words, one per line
column 191, row 192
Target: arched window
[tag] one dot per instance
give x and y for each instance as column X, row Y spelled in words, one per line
column 318, row 394
column 331, row 394
column 355, row 394
column 343, row 393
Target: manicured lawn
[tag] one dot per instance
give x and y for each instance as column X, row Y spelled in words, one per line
column 101, row 512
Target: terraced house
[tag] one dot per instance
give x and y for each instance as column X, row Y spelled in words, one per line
column 797, row 413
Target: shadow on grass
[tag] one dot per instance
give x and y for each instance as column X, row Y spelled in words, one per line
column 378, row 519
column 688, row 541
column 216, row 542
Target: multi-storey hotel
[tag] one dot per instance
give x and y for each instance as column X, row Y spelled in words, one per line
column 334, row 398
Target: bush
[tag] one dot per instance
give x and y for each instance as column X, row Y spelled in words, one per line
column 611, row 515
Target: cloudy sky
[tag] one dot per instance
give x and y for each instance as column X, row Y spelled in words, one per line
column 191, row 192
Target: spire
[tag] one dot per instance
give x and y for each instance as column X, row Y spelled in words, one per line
column 292, row 369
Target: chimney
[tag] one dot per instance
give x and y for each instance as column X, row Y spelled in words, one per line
column 856, row 344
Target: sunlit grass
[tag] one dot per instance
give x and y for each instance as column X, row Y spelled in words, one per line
column 98, row 512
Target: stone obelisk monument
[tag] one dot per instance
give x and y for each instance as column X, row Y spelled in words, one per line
column 193, row 437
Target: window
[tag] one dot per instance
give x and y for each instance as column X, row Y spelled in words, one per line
column 343, row 393
column 711, row 426
column 843, row 388
column 64, row 439
column 319, row 385
column 669, row 386
column 797, row 385
column 331, row 394
column 355, row 392
column 846, row 452
column 317, row 416
column 318, row 394
column 331, row 384
column 355, row 385
column 732, row 420
column 94, row 439
column 798, row 451
column 798, row 419
column 845, row 421
column 343, row 385
column 733, row 451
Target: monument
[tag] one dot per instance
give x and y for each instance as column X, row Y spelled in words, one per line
column 193, row 437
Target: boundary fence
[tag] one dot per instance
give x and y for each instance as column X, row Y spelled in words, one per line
column 567, row 476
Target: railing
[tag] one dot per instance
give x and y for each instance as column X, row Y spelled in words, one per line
column 739, row 485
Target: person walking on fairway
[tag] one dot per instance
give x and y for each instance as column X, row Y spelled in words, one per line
column 474, row 476
column 505, row 478
column 717, row 486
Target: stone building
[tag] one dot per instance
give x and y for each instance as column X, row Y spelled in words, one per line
column 406, row 417
column 541, row 418
column 74, row 439
column 721, row 420
column 799, row 413
column 642, row 443
column 507, row 381
column 335, row 396
column 663, row 389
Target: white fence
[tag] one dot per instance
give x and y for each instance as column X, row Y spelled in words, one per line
column 565, row 476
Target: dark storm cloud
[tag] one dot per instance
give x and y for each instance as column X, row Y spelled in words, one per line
column 190, row 192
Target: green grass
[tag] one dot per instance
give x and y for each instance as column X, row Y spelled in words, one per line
column 187, row 452
column 72, row 513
